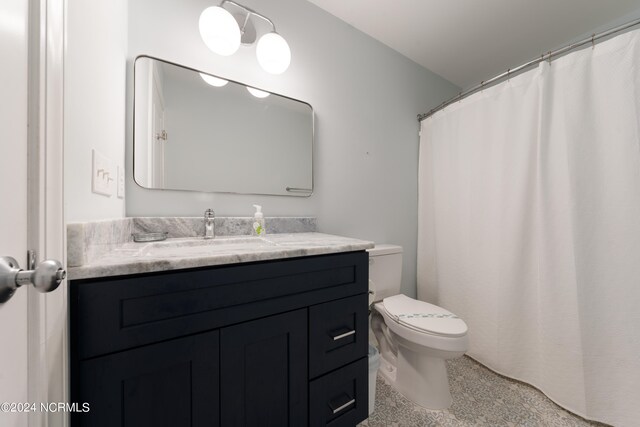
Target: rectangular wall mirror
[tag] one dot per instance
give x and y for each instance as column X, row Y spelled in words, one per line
column 194, row 131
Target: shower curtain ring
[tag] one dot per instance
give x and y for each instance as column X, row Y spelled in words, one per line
column 509, row 75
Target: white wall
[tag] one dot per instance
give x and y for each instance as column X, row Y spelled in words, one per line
column 366, row 98
column 94, row 102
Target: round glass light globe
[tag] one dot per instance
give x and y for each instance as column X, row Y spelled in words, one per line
column 219, row 30
column 213, row 81
column 257, row 92
column 273, row 53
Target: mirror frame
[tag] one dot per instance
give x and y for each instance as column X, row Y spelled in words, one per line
column 133, row 134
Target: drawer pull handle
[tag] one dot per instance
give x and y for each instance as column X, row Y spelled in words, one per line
column 346, row 334
column 341, row 407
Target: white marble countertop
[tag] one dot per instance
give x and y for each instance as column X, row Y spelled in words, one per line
column 180, row 253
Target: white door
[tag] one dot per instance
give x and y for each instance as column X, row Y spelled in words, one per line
column 13, row 208
column 158, row 134
column 33, row 327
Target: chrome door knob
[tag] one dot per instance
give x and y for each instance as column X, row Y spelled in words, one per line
column 45, row 278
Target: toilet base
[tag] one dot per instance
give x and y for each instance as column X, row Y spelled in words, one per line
column 423, row 379
column 419, row 378
column 414, row 363
column 388, row 371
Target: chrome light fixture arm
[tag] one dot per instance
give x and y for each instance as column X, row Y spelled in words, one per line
column 249, row 13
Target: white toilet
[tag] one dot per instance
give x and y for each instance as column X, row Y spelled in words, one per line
column 415, row 337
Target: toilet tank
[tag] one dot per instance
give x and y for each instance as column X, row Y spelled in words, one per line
column 385, row 270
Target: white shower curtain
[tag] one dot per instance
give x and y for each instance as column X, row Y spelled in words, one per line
column 529, row 226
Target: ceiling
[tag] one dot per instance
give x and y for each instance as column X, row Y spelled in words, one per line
column 467, row 41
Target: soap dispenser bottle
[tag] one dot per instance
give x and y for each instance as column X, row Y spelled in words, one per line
column 257, row 228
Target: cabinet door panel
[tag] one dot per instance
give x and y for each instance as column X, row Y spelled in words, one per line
column 175, row 383
column 263, row 367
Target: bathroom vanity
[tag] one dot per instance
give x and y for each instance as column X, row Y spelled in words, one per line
column 272, row 337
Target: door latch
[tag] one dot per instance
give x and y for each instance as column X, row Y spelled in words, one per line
column 162, row 136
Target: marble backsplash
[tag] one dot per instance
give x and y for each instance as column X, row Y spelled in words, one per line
column 88, row 241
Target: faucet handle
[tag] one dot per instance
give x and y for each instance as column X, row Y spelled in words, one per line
column 209, row 213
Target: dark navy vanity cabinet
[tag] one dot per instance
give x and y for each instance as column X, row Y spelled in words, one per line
column 271, row 343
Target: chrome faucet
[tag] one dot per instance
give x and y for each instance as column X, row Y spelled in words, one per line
column 209, row 226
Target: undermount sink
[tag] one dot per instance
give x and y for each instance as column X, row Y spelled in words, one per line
column 200, row 246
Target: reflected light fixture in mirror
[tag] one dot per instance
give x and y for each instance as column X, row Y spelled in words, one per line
column 213, row 81
column 222, row 34
column 257, row 92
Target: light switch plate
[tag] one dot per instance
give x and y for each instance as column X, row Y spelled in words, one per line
column 101, row 174
column 120, row 182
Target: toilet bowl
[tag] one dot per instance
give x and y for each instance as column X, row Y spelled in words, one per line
column 415, row 338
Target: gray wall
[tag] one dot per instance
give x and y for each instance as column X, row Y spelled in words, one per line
column 366, row 98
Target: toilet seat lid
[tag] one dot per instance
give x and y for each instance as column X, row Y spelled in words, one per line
column 424, row 317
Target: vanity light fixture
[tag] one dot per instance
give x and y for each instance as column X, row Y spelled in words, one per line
column 257, row 92
column 213, row 81
column 223, row 33
column 219, row 30
column 273, row 53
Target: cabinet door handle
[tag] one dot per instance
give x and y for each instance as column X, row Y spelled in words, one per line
column 342, row 407
column 346, row 334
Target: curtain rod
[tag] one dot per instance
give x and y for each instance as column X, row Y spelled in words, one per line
column 510, row 72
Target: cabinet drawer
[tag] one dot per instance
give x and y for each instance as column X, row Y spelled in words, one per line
column 341, row 397
column 109, row 315
column 338, row 333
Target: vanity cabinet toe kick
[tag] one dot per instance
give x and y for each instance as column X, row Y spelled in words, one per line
column 273, row 343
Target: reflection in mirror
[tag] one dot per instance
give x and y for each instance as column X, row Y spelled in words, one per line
column 194, row 131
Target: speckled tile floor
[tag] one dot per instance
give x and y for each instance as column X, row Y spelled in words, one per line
column 480, row 398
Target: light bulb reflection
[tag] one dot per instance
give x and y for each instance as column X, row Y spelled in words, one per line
column 213, row 81
column 257, row 92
